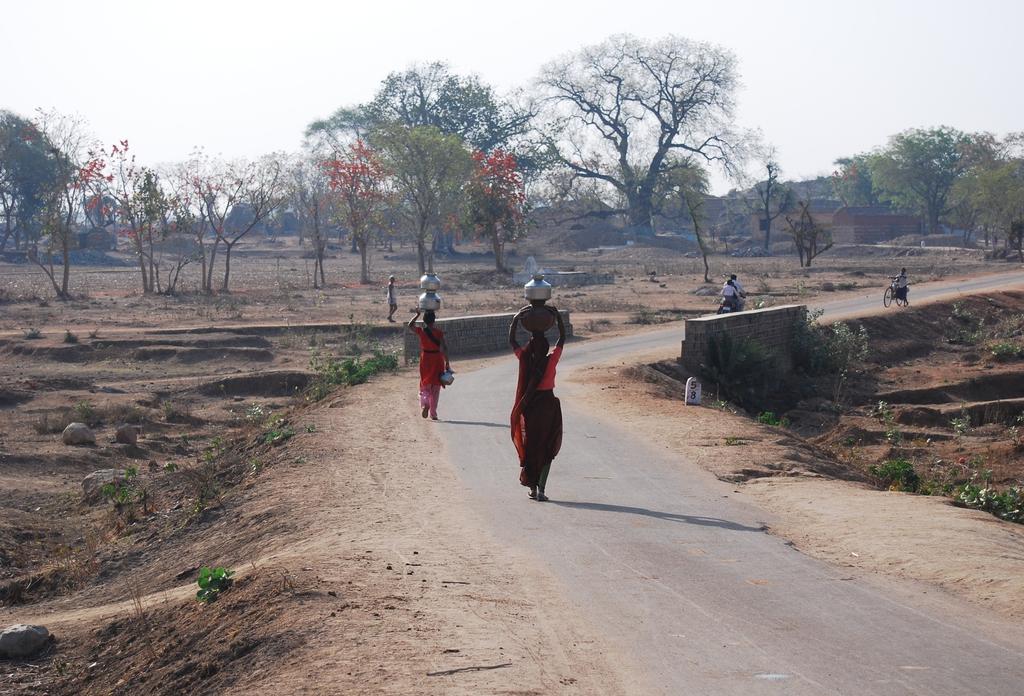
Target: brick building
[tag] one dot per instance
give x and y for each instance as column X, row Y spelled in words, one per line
column 871, row 225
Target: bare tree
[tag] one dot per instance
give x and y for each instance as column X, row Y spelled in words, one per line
column 773, row 198
column 311, row 192
column 261, row 190
column 811, row 239
column 615, row 112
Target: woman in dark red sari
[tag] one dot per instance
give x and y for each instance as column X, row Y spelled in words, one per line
column 433, row 361
column 537, row 414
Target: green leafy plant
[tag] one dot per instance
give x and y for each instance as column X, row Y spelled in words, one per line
column 887, row 417
column 964, row 327
column 1006, row 504
column 896, row 475
column 256, row 413
column 84, row 412
column 961, row 424
column 278, row 431
column 331, row 372
column 733, row 441
column 213, row 581
column 1005, row 351
column 769, row 418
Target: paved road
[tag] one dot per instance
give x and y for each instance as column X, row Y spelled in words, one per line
column 681, row 578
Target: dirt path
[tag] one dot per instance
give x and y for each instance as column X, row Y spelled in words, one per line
column 392, row 584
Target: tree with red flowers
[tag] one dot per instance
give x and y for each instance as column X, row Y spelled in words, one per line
column 497, row 201
column 360, row 183
column 77, row 171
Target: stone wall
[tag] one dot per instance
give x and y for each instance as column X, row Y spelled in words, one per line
column 772, row 328
column 486, row 333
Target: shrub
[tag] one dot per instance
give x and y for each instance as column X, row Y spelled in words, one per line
column 1005, row 351
column 743, row 369
column 769, row 418
column 33, row 334
column 837, row 350
column 331, row 372
column 1007, row 504
column 896, row 475
column 278, row 431
column 962, row 424
column 213, row 581
column 964, row 327
column 70, row 337
column 85, row 413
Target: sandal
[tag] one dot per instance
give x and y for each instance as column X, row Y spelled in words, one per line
column 425, row 410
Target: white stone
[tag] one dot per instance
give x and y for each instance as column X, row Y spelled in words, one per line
column 78, row 434
column 693, row 389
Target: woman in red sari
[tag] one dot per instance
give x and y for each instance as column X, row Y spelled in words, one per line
column 537, row 413
column 433, row 361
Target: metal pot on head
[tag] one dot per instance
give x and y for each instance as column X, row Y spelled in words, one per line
column 539, row 318
column 537, row 289
column 430, row 282
column 429, row 301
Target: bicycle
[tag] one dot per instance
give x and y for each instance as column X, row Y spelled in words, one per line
column 892, row 294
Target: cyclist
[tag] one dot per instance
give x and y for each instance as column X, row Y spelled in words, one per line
column 730, row 297
column 901, row 285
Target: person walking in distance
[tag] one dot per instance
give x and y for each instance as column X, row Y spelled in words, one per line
column 433, row 361
column 537, row 414
column 392, row 299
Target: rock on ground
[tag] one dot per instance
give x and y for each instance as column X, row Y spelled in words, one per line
column 78, row 434
column 92, row 485
column 127, row 434
column 22, row 640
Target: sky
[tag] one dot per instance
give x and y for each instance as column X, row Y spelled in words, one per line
column 820, row 79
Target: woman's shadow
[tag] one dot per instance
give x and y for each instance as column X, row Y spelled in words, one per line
column 481, row 424
column 670, row 516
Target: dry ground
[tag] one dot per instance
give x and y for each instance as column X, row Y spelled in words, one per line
column 356, row 565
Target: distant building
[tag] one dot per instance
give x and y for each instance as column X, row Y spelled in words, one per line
column 871, row 225
column 822, row 212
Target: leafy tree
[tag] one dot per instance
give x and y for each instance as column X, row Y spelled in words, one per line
column 359, row 181
column 430, row 95
column 496, row 201
column 430, row 171
column 614, row 112
column 852, row 182
column 919, row 167
column 26, row 171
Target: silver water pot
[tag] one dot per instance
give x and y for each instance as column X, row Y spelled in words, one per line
column 537, row 289
column 429, row 301
column 430, row 282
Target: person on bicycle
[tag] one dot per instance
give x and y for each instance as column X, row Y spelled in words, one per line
column 730, row 297
column 741, row 295
column 900, row 282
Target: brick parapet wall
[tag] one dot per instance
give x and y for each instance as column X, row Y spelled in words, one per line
column 772, row 327
column 486, row 333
